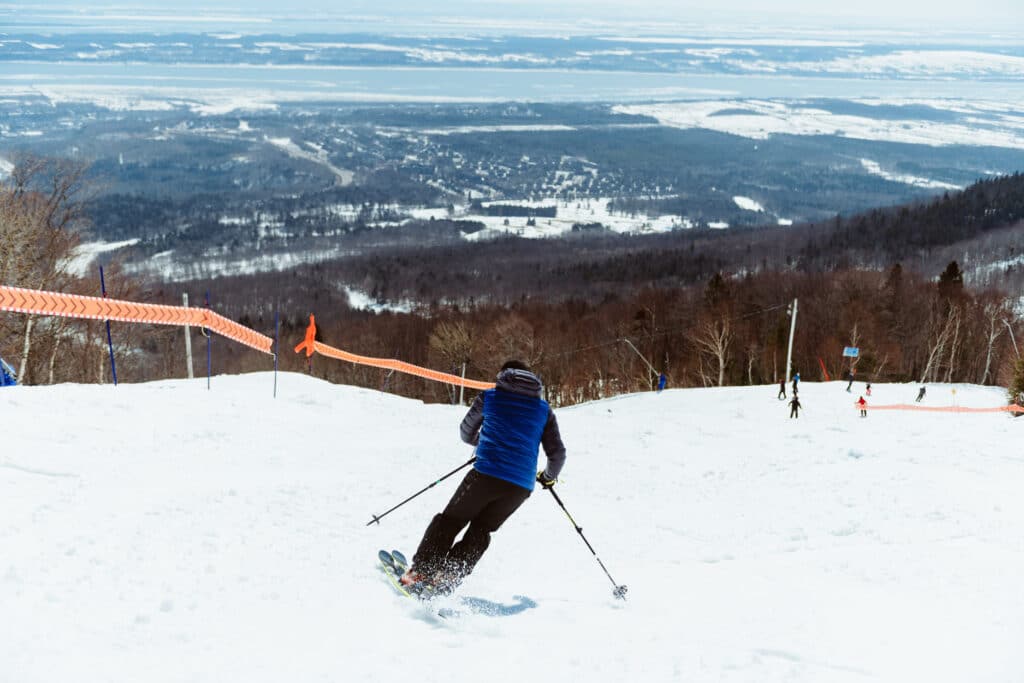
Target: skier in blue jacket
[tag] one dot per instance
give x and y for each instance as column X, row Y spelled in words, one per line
column 507, row 425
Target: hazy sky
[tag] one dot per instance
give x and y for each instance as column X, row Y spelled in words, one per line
column 1006, row 16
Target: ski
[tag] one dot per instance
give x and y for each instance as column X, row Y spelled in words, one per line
column 400, row 562
column 394, row 564
column 393, row 568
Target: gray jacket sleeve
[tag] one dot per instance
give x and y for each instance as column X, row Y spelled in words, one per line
column 469, row 430
column 551, row 439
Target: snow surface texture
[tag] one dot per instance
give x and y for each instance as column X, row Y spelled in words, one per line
column 163, row 532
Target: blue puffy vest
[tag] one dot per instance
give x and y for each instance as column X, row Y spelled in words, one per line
column 510, row 437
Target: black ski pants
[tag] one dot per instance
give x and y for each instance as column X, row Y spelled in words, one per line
column 481, row 501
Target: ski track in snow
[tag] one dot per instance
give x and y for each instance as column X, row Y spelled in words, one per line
column 221, row 535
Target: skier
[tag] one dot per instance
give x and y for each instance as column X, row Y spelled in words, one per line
column 867, row 389
column 507, row 424
column 662, row 381
column 782, row 390
column 920, row 395
column 863, row 405
column 794, row 407
column 850, row 376
column 796, row 382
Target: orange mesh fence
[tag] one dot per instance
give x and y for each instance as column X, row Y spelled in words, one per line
column 75, row 306
column 310, row 345
column 400, row 366
column 942, row 409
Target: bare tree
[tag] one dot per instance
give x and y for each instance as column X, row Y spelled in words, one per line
column 453, row 341
column 942, row 332
column 41, row 211
column 511, row 336
column 956, row 316
column 753, row 351
column 995, row 312
column 713, row 337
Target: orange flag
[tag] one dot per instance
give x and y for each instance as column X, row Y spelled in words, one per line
column 310, row 339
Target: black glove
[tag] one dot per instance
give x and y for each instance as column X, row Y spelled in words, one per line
column 545, row 481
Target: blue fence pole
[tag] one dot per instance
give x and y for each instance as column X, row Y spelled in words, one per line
column 110, row 342
column 277, row 345
column 209, row 362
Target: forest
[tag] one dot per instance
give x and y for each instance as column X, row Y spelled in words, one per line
column 595, row 317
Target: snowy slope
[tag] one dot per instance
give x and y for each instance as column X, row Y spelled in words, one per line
column 163, row 532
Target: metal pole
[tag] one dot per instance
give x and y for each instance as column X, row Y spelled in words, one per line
column 792, row 331
column 651, row 367
column 462, row 387
column 110, row 342
column 277, row 344
column 188, row 339
column 209, row 361
column 1010, row 328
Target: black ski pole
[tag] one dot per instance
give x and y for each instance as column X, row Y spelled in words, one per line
column 620, row 590
column 377, row 518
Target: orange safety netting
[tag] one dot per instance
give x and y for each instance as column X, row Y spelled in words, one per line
column 38, row 302
column 400, row 366
column 309, row 345
column 943, row 409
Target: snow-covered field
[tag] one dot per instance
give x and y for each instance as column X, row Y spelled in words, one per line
column 569, row 212
column 163, row 532
column 874, row 168
column 85, row 254
column 986, row 123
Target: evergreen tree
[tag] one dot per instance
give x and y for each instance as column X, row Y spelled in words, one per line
column 951, row 282
column 718, row 292
column 1016, row 392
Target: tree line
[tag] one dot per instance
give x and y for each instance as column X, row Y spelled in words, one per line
column 593, row 264
column 726, row 331
column 606, row 319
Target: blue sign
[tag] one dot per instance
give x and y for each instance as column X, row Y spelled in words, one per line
column 851, row 352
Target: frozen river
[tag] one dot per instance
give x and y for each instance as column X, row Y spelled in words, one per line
column 284, row 83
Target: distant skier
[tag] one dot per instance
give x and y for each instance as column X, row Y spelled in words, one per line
column 920, row 395
column 850, row 376
column 782, row 390
column 867, row 389
column 796, row 382
column 507, row 425
column 863, row 405
column 794, row 407
column 662, row 381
